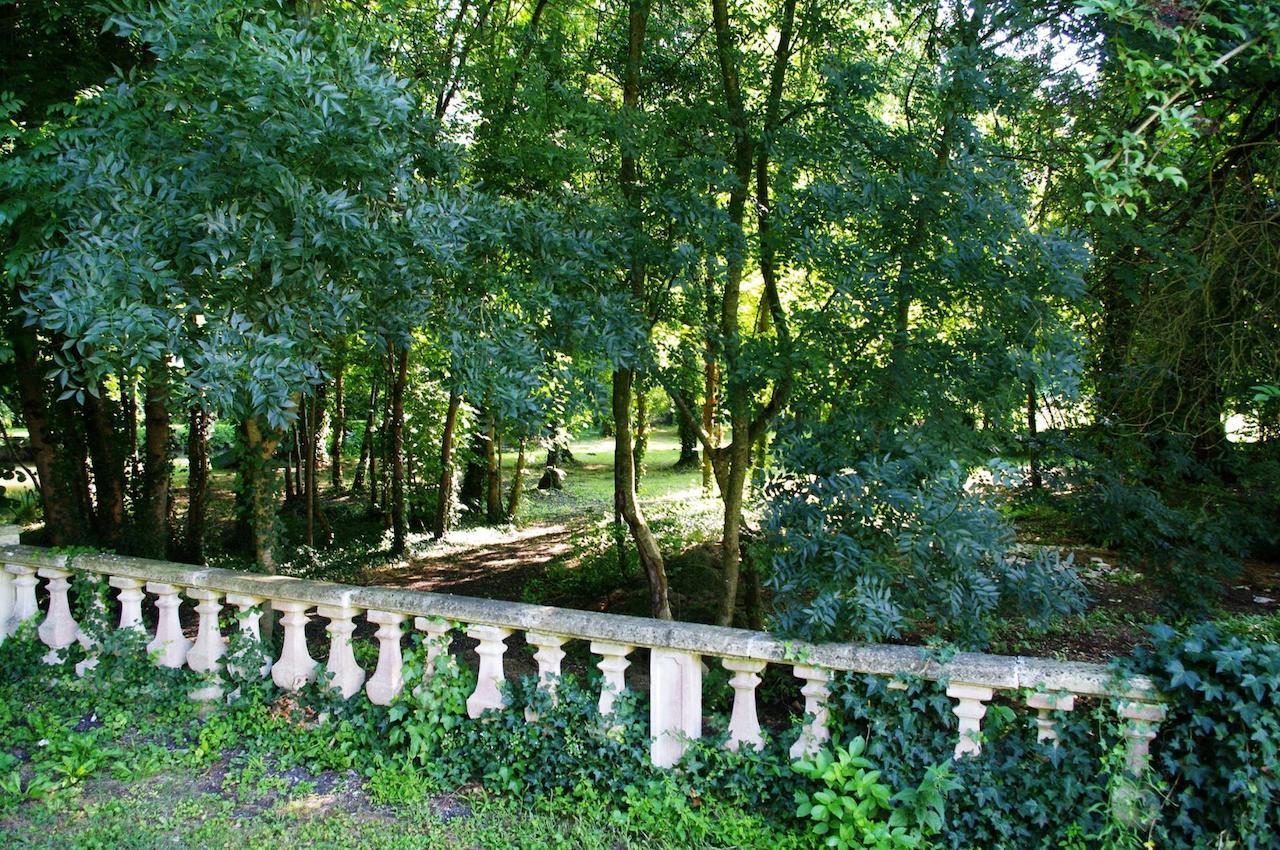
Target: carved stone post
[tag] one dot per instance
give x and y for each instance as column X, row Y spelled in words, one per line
column 675, row 704
column 491, row 649
column 971, row 707
column 744, row 724
column 816, row 692
column 388, row 678
column 59, row 629
column 613, row 665
column 1045, row 705
column 206, row 654
column 345, row 674
column 295, row 667
column 437, row 641
column 249, row 613
column 548, row 656
column 130, row 597
column 89, row 644
column 1131, row 800
column 169, row 643
column 24, row 596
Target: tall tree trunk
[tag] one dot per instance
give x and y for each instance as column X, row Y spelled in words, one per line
column 133, row 462
column 517, row 482
column 1033, row 439
column 60, row 515
column 105, row 452
column 493, row 474
column 197, row 484
column 625, row 501
column 745, row 427
column 339, row 425
column 399, row 527
column 153, row 517
column 444, row 497
column 290, row 492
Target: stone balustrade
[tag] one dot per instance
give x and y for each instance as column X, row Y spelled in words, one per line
column 677, row 651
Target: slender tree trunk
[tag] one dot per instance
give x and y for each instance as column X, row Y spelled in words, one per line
column 385, row 444
column 153, row 517
column 366, row 441
column 197, row 484
column 517, row 482
column 627, row 504
column 493, row 475
column 339, row 426
column 108, row 468
column 444, row 497
column 1033, row 439
column 290, row 492
column 399, row 527
column 133, row 462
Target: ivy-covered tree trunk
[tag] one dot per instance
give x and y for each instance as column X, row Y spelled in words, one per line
column 339, row 423
column 257, row 481
column 399, row 526
column 444, row 496
column 152, row 520
column 197, row 484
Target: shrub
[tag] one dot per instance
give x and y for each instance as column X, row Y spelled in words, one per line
column 1218, row 749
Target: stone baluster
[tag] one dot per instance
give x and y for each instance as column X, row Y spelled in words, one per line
column 169, row 644
column 675, row 704
column 613, row 666
column 345, row 675
column 1141, row 720
column 249, row 614
column 59, row 629
column 970, row 708
column 388, row 677
column 24, row 596
column 816, row 692
column 490, row 675
column 744, row 724
column 90, row 644
column 437, row 641
column 6, row 602
column 295, row 666
column 207, row 651
column 548, row 656
column 130, row 597
column 1045, row 705
column 1132, row 801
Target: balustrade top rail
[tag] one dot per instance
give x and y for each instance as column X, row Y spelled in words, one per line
column 992, row 671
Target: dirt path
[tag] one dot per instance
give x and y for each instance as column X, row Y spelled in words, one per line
column 489, row 562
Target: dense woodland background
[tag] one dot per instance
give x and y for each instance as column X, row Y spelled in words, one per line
column 910, row 280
